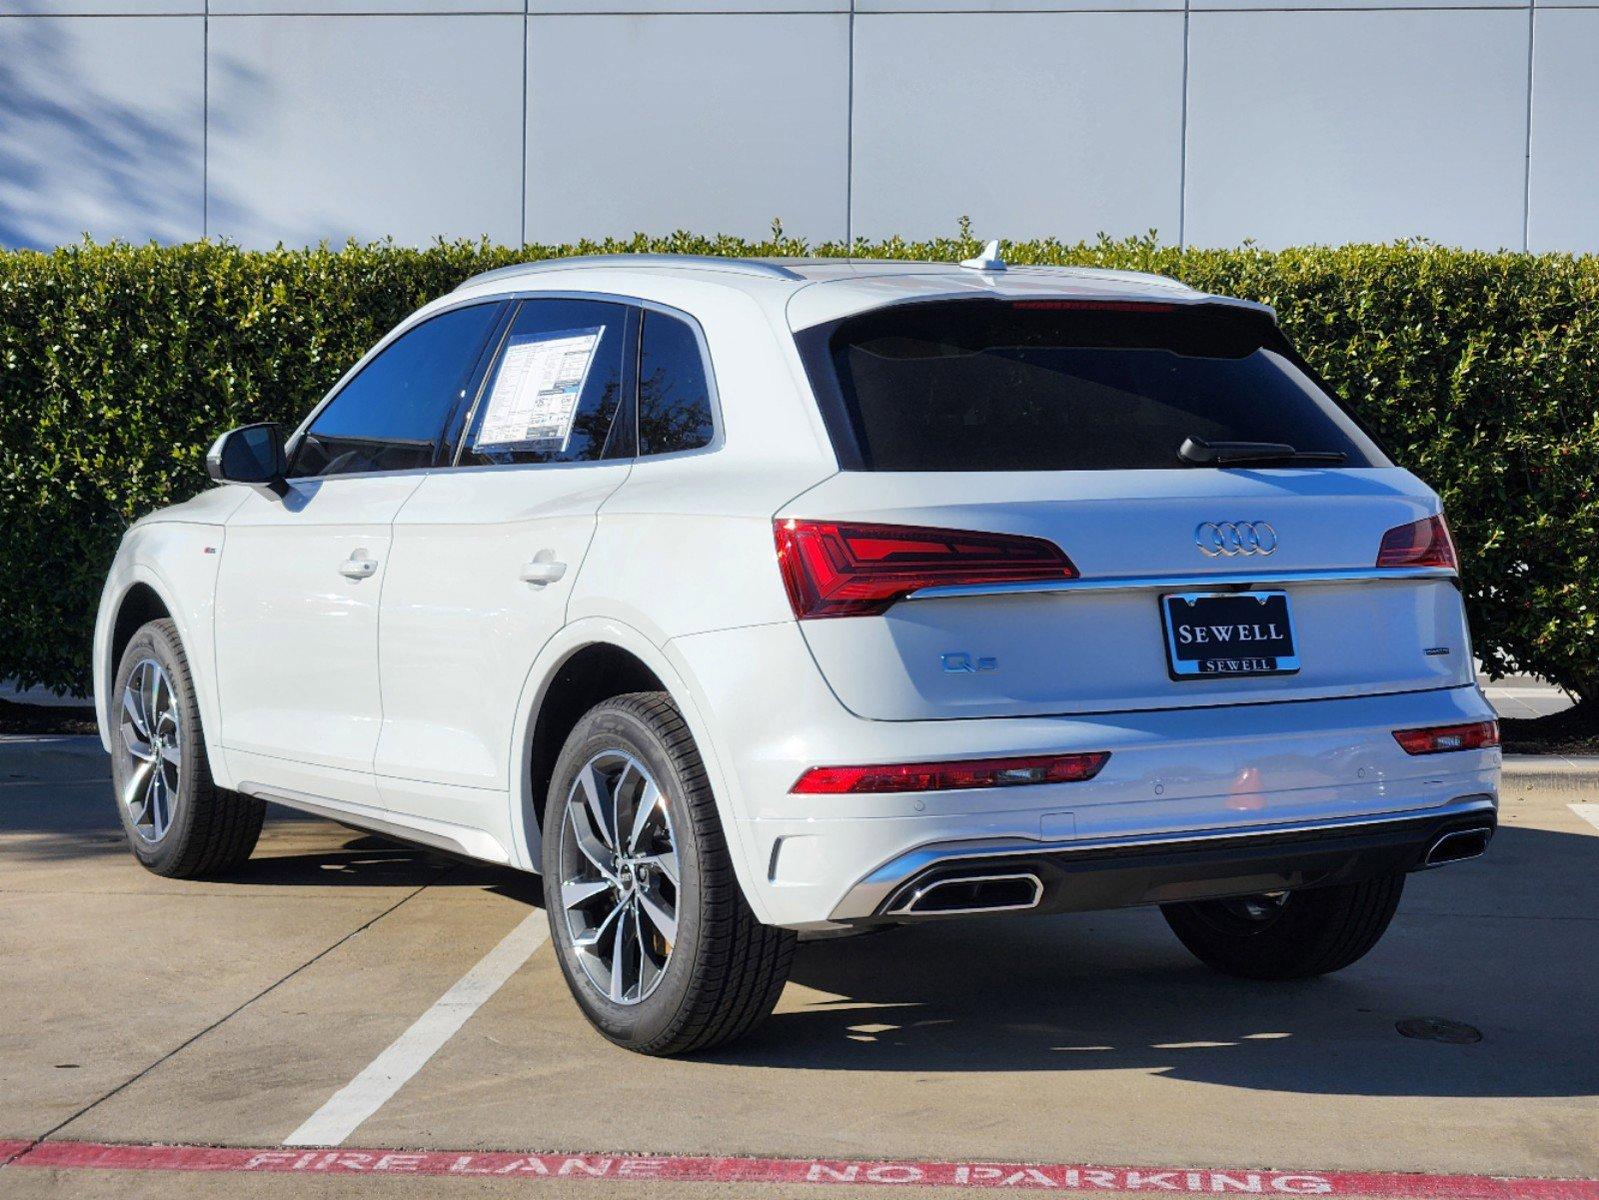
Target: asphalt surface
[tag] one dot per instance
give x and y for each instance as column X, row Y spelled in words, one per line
column 143, row 1010
column 1525, row 696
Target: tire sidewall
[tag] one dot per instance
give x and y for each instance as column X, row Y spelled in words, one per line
column 1321, row 929
column 157, row 641
column 611, row 727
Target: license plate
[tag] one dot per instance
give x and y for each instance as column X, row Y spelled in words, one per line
column 1228, row 633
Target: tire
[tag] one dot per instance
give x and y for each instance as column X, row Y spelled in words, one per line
column 177, row 821
column 720, row 973
column 1290, row 935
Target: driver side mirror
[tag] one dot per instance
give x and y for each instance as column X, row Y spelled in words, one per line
column 253, row 455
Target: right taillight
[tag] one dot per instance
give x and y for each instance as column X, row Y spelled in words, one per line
column 1420, row 544
column 1438, row 739
column 852, row 569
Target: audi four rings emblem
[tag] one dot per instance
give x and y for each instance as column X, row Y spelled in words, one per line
column 1228, row 538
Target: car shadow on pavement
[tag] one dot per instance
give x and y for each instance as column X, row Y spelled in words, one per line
column 366, row 860
column 76, row 819
column 1506, row 946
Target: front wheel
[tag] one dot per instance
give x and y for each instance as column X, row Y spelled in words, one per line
column 178, row 822
column 653, row 933
column 1288, row 935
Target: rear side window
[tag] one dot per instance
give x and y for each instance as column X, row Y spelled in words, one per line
column 987, row 385
column 391, row 416
column 555, row 386
column 674, row 395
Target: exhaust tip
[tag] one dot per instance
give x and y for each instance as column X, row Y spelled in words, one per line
column 1457, row 846
column 963, row 894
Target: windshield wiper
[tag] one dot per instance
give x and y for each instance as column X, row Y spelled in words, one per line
column 1200, row 453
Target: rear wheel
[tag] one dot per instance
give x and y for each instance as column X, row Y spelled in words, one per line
column 653, row 934
column 1288, row 935
column 178, row 822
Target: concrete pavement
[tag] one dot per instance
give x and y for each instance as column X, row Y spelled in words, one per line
column 1525, row 696
column 145, row 1010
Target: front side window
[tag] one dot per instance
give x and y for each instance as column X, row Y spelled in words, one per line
column 1062, row 385
column 674, row 396
column 553, row 392
column 391, row 416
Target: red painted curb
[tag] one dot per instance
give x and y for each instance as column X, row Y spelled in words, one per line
column 835, row 1172
column 9, row 1150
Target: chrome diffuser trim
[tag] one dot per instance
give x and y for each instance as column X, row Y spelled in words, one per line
column 864, row 899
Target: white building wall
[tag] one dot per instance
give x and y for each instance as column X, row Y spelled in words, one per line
column 1471, row 122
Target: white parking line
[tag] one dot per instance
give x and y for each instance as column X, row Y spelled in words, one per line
column 1588, row 812
column 388, row 1072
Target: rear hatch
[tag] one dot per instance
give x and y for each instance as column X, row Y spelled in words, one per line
column 1065, row 421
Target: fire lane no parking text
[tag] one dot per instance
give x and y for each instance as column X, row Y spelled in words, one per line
column 69, row 1155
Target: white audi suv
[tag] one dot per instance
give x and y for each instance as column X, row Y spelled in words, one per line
column 748, row 598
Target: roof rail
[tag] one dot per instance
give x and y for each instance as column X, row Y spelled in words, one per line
column 739, row 266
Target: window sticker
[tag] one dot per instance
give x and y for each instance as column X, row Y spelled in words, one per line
column 535, row 396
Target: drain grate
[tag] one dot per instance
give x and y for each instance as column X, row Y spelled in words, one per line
column 1437, row 1029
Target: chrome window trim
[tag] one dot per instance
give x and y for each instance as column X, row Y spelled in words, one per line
column 1135, row 583
column 576, row 464
column 305, row 481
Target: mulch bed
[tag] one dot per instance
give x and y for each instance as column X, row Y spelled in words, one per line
column 46, row 718
column 1575, row 731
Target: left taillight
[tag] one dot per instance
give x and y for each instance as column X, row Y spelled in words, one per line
column 851, row 569
column 1423, row 543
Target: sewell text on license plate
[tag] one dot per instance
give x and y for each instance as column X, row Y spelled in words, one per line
column 1228, row 633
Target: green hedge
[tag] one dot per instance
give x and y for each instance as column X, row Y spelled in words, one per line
column 118, row 365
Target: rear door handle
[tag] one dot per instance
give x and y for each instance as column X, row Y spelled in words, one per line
column 358, row 567
column 542, row 570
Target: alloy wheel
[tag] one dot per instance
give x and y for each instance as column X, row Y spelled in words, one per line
column 619, row 877
column 153, row 736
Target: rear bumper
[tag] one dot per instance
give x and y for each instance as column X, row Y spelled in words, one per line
column 931, row 881
column 1174, row 776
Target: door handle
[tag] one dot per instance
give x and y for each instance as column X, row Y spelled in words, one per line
column 542, row 570
column 356, row 567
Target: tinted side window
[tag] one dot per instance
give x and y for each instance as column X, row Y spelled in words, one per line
column 674, row 398
column 553, row 392
column 391, row 416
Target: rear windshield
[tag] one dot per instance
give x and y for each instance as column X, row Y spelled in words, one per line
column 1058, row 385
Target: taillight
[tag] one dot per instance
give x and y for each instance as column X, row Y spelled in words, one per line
column 1436, row 739
column 945, row 776
column 1420, row 544
column 844, row 569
